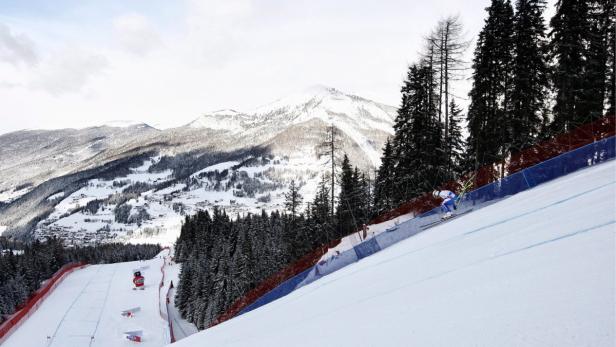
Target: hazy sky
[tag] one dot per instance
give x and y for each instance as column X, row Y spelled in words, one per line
column 76, row 63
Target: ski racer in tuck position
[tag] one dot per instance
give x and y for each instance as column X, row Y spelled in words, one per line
column 449, row 201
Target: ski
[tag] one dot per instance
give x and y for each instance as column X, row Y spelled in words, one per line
column 465, row 187
column 441, row 221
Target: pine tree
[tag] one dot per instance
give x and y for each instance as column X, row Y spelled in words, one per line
column 345, row 216
column 418, row 146
column 293, row 199
column 384, row 182
column 321, row 214
column 455, row 143
column 610, row 78
column 489, row 114
column 580, row 45
column 530, row 74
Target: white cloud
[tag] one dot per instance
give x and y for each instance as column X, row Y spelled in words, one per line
column 136, row 34
column 68, row 71
column 201, row 55
column 16, row 48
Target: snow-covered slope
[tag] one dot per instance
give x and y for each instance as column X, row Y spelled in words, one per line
column 85, row 309
column 238, row 187
column 30, row 157
column 535, row 269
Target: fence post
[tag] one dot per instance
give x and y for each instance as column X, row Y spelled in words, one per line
column 526, row 179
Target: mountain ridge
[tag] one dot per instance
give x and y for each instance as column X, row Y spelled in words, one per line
column 285, row 136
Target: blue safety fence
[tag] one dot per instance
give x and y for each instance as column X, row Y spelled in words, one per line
column 564, row 164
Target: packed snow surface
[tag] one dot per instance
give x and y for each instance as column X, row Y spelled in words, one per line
column 535, row 269
column 85, row 309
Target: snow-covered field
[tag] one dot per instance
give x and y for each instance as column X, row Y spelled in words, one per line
column 85, row 309
column 167, row 207
column 536, row 269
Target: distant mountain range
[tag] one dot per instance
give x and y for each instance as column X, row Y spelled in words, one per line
column 36, row 164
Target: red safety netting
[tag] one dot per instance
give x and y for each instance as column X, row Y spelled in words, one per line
column 33, row 303
column 274, row 280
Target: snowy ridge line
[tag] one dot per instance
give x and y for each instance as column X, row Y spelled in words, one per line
column 589, row 155
column 33, row 303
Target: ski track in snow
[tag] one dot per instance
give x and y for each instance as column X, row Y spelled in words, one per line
column 85, row 310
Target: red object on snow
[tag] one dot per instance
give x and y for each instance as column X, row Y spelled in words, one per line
column 134, row 338
column 138, row 281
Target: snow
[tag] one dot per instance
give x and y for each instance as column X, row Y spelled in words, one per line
column 89, row 303
column 534, row 269
column 56, row 196
column 181, row 327
column 357, row 117
column 228, row 120
column 123, row 123
column 12, row 195
column 220, row 167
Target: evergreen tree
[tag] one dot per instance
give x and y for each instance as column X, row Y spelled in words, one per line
column 580, row 45
column 321, row 215
column 489, row 114
column 530, row 74
column 384, row 182
column 455, row 143
column 610, row 72
column 602, row 16
column 418, row 145
column 293, row 199
column 345, row 210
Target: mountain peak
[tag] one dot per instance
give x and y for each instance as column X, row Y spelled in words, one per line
column 316, row 89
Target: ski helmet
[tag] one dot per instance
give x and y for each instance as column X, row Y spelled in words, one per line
column 137, row 273
column 435, row 193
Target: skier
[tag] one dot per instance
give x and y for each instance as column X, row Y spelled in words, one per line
column 138, row 280
column 449, row 201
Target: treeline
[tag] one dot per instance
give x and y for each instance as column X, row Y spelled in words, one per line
column 222, row 259
column 529, row 83
column 24, row 267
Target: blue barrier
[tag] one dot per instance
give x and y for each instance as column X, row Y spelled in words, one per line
column 283, row 289
column 564, row 164
column 366, row 248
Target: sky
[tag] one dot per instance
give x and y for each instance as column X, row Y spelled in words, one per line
column 79, row 63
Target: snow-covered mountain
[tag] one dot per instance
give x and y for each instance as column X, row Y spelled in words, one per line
column 48, row 177
column 363, row 121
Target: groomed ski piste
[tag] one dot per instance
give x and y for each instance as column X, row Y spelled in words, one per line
column 86, row 309
column 536, row 269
